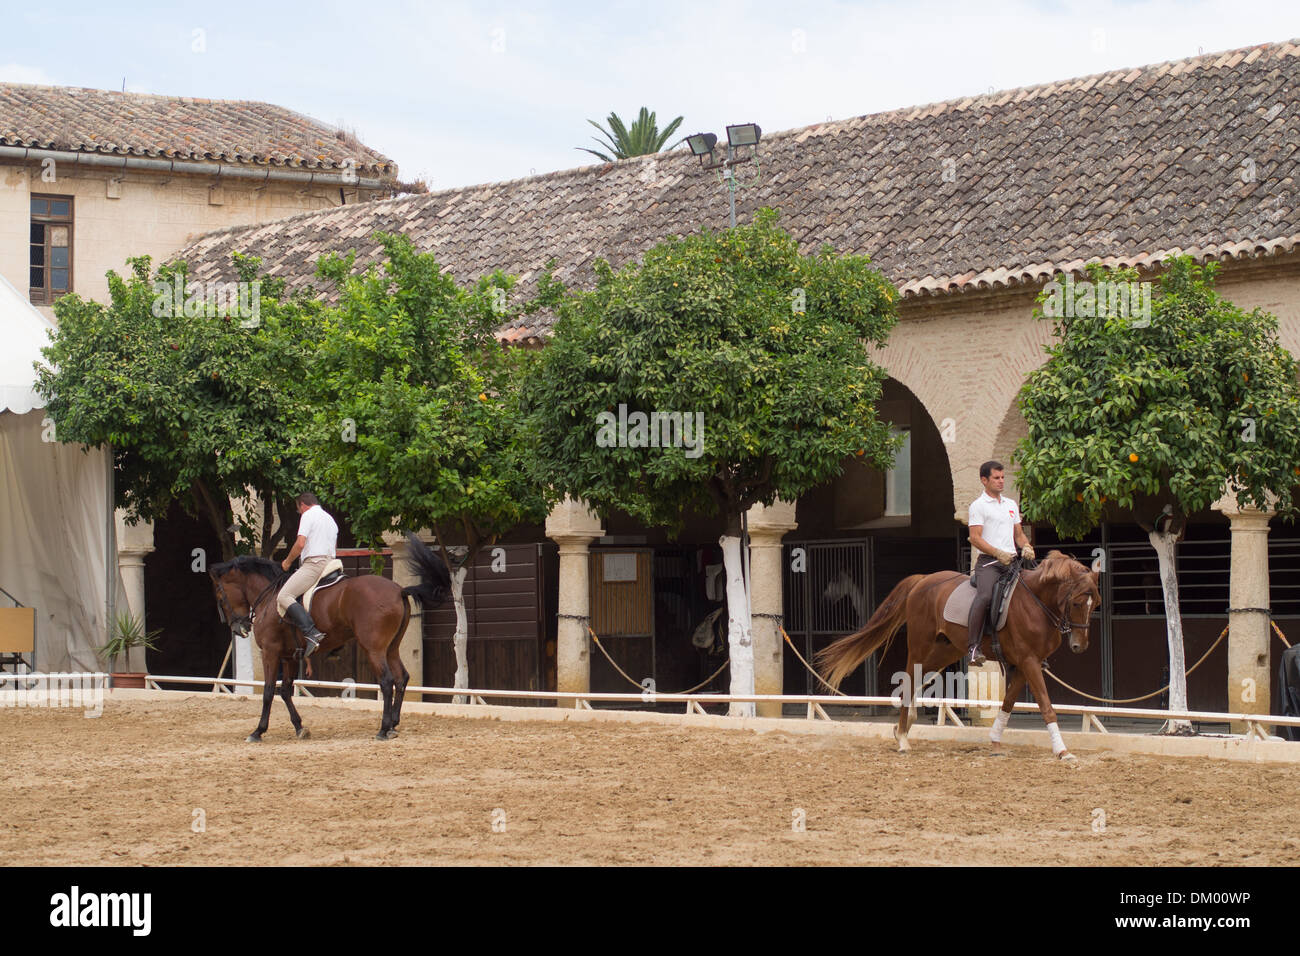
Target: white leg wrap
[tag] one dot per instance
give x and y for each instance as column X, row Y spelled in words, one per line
column 999, row 724
column 1058, row 744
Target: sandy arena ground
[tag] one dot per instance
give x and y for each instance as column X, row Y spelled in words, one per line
column 123, row 788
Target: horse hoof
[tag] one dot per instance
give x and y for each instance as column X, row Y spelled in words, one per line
column 253, row 739
column 392, row 733
column 997, row 752
column 303, row 733
column 1069, row 759
column 385, row 735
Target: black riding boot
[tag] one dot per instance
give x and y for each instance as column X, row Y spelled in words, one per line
column 302, row 620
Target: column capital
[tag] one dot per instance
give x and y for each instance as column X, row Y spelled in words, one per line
column 134, row 539
column 572, row 522
column 768, row 524
column 397, row 539
column 1245, row 516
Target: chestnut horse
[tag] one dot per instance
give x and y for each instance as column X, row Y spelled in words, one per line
column 369, row 608
column 1053, row 602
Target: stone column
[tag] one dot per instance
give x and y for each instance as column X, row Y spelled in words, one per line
column 573, row 527
column 1249, row 631
column 133, row 543
column 767, row 526
column 411, row 649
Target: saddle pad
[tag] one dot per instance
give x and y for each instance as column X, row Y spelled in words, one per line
column 324, row 581
column 957, row 608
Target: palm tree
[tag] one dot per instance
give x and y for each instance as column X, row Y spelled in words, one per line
column 642, row 139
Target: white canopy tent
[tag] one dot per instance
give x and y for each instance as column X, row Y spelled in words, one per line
column 57, row 539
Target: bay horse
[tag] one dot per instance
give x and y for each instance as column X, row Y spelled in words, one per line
column 1054, row 602
column 369, row 608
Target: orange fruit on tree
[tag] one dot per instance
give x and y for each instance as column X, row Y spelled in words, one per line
column 1133, row 456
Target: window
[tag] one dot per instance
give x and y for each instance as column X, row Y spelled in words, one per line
column 898, row 480
column 50, row 251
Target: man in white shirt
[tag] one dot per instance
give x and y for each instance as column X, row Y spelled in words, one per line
column 317, row 536
column 995, row 533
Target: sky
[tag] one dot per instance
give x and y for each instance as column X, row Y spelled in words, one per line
column 460, row 93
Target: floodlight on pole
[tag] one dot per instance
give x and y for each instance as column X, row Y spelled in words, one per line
column 739, row 136
column 702, row 144
column 743, row 134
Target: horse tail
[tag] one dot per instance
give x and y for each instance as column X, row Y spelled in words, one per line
column 435, row 581
column 838, row 660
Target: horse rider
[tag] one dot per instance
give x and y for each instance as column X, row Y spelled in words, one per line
column 317, row 536
column 995, row 532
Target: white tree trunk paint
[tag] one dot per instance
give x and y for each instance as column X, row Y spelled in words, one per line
column 1165, row 543
column 740, row 638
column 461, row 638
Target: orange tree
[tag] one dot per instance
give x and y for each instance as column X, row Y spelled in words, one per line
column 1158, row 414
column 197, row 401
column 726, row 369
column 414, row 420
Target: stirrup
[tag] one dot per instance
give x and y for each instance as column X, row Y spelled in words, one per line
column 977, row 657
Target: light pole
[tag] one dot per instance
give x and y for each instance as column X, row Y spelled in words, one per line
column 739, row 136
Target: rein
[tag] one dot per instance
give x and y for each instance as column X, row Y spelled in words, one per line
column 252, row 608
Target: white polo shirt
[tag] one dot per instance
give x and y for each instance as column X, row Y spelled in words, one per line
column 999, row 520
column 321, row 532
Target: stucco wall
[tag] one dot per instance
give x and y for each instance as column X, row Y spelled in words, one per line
column 155, row 215
column 965, row 360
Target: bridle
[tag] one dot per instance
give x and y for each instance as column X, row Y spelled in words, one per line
column 228, row 612
column 1062, row 623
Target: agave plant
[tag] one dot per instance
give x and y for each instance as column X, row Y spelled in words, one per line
column 641, row 139
column 128, row 632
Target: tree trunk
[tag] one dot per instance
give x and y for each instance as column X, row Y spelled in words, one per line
column 219, row 517
column 268, row 519
column 1166, row 543
column 740, row 639
column 460, row 639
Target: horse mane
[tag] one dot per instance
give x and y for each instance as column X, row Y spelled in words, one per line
column 250, row 564
column 1059, row 566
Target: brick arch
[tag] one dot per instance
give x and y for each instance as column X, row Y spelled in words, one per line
column 933, row 359
column 907, row 364
column 1010, row 431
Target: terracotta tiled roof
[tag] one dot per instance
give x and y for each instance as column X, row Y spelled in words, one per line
column 1199, row 156
column 176, row 127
